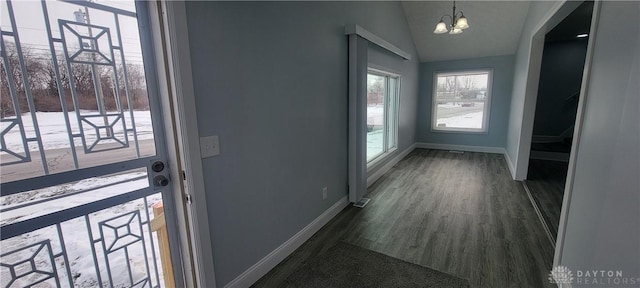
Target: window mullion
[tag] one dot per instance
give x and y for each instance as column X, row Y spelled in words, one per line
column 386, row 115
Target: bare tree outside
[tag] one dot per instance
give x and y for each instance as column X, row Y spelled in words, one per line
column 46, row 93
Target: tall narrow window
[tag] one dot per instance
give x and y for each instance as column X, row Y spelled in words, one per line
column 461, row 101
column 382, row 113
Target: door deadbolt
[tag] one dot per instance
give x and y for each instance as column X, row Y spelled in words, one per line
column 157, row 166
column 161, row 180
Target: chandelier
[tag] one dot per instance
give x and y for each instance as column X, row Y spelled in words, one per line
column 458, row 23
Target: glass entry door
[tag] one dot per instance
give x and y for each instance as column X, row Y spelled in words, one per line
column 83, row 169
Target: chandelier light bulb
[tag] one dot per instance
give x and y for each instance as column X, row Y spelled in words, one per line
column 455, row 31
column 462, row 23
column 441, row 28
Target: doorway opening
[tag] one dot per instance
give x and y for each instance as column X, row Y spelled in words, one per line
column 561, row 75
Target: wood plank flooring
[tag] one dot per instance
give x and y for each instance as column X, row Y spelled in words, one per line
column 546, row 181
column 457, row 213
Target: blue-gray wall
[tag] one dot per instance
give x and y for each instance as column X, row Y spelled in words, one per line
column 560, row 77
column 271, row 80
column 500, row 102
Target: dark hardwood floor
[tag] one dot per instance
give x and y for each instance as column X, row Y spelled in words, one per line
column 457, row 213
column 546, row 181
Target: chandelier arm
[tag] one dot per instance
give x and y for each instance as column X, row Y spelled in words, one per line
column 447, row 15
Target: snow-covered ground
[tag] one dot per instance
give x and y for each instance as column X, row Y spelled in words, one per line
column 53, row 129
column 375, row 117
column 31, row 204
column 374, row 144
column 76, row 240
column 470, row 120
column 454, row 115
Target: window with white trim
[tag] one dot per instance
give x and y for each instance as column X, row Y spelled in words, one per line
column 383, row 90
column 461, row 101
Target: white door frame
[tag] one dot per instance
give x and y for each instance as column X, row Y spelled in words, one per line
column 173, row 59
column 556, row 14
column 568, row 188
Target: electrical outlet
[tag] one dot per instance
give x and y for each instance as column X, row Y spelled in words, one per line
column 324, row 193
column 209, row 146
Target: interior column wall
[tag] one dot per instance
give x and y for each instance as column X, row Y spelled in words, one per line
column 603, row 222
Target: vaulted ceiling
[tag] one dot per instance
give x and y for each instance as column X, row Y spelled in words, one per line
column 495, row 28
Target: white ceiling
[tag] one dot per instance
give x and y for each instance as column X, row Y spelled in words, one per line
column 495, row 28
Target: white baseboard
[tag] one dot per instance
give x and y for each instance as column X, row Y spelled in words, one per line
column 387, row 166
column 510, row 164
column 483, row 149
column 255, row 272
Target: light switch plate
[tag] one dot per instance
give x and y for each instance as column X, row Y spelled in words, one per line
column 209, row 146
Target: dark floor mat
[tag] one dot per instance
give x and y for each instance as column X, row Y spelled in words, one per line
column 346, row 265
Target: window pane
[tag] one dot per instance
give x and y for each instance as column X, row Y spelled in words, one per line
column 376, row 88
column 460, row 115
column 461, row 101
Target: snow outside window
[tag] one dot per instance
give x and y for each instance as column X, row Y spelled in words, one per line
column 382, row 114
column 461, row 101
